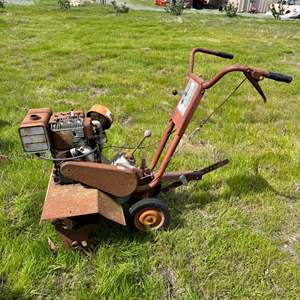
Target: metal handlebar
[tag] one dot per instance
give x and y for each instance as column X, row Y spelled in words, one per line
column 252, row 73
column 206, row 51
column 180, row 121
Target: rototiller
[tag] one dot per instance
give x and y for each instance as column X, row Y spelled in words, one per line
column 85, row 185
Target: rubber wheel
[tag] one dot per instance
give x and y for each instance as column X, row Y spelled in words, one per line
column 149, row 214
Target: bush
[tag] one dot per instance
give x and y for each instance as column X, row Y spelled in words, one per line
column 231, row 9
column 175, row 8
column 64, row 4
column 120, row 9
column 1, row 3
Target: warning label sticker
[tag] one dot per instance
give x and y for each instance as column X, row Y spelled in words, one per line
column 187, row 96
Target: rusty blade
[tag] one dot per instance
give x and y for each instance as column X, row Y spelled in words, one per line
column 116, row 181
column 77, row 238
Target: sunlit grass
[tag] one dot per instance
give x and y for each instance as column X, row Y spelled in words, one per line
column 234, row 235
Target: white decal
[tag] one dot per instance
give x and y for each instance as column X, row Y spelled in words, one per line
column 187, row 96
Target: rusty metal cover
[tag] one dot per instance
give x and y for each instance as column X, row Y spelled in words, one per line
column 62, row 139
column 110, row 179
column 102, row 110
column 70, row 200
column 37, row 116
column 33, row 130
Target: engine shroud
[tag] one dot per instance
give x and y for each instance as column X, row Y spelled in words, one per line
column 69, row 129
column 71, row 135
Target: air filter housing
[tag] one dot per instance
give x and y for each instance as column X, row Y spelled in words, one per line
column 33, row 131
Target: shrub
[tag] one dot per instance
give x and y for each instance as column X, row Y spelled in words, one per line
column 120, row 9
column 64, row 4
column 231, row 9
column 1, row 3
column 175, row 8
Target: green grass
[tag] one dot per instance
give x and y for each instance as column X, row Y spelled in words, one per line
column 234, row 235
column 139, row 3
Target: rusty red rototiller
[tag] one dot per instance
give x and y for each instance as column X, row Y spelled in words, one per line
column 85, row 185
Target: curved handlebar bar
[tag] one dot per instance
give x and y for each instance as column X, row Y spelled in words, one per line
column 255, row 74
column 206, row 51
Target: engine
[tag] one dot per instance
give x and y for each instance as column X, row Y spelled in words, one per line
column 65, row 136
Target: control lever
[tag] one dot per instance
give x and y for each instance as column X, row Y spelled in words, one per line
column 256, row 85
column 147, row 134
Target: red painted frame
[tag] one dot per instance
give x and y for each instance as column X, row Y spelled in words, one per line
column 179, row 122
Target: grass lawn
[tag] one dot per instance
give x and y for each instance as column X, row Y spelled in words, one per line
column 234, row 235
column 143, row 3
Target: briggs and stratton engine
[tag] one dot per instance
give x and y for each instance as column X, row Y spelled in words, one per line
column 65, row 135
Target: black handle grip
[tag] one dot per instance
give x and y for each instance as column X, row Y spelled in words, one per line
column 214, row 52
column 224, row 55
column 280, row 77
column 206, row 51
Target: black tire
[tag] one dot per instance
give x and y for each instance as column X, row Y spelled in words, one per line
column 149, row 214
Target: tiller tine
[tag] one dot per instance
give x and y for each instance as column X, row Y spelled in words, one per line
column 76, row 237
column 176, row 179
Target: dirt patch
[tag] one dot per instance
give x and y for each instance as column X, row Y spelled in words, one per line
column 69, row 102
column 99, row 91
column 75, row 89
column 188, row 144
column 126, row 121
column 296, row 187
column 290, row 243
column 163, row 71
column 44, row 91
column 170, row 281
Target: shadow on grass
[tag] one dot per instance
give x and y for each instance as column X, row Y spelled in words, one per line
column 7, row 293
column 6, row 146
column 104, row 231
column 111, row 233
column 247, row 184
column 239, row 185
column 181, row 202
column 250, row 184
column 3, row 123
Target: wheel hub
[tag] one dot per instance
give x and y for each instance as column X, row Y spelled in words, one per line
column 149, row 219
